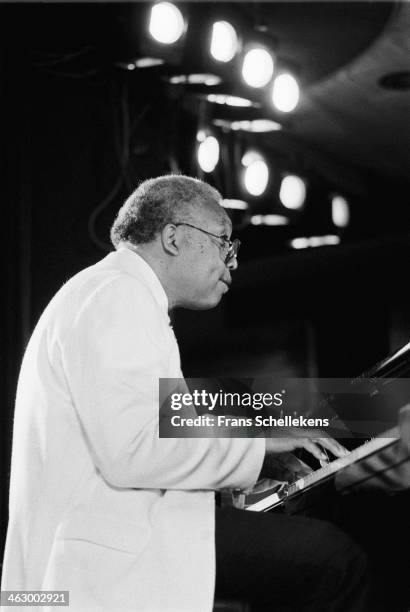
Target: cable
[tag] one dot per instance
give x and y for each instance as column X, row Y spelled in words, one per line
column 60, row 59
column 122, row 138
column 95, row 213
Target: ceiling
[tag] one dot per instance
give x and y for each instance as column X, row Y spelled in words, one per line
column 348, row 114
column 340, row 51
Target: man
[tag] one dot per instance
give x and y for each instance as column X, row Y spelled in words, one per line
column 99, row 504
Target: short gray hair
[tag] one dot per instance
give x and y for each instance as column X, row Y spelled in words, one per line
column 156, row 202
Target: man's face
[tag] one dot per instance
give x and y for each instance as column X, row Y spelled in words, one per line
column 204, row 275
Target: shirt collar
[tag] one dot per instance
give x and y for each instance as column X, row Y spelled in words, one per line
column 135, row 265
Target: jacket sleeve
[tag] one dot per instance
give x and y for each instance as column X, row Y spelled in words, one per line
column 115, row 352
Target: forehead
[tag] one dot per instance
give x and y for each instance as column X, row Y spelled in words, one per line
column 214, row 217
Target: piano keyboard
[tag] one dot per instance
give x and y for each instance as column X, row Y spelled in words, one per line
column 322, row 474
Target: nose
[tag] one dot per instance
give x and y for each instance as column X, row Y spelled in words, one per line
column 232, row 263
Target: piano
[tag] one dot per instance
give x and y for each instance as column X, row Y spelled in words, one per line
column 383, row 460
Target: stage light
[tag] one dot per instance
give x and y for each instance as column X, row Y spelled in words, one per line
column 273, row 220
column 141, row 62
column 340, row 211
column 224, row 41
column 249, row 157
column 256, row 173
column 229, row 100
column 256, row 177
column 257, row 68
column 196, row 78
column 255, row 126
column 208, row 152
column 285, row 93
column 148, row 62
column 166, row 23
column 235, row 204
column 314, row 241
column 292, row 192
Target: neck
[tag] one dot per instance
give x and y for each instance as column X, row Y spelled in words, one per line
column 159, row 265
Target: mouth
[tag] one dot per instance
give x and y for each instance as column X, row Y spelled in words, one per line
column 226, row 282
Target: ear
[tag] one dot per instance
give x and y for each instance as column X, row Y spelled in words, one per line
column 171, row 240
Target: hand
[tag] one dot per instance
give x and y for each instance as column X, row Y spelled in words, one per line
column 292, row 438
column 281, row 464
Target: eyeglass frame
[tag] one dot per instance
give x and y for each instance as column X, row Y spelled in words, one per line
column 233, row 245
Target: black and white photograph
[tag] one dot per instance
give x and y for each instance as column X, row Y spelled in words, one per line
column 205, row 354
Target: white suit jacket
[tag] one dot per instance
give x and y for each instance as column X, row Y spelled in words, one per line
column 99, row 504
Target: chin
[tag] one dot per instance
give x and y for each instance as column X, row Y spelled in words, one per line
column 205, row 304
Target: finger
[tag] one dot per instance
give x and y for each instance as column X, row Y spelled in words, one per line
column 299, row 467
column 322, row 437
column 313, row 449
column 302, row 470
column 337, row 449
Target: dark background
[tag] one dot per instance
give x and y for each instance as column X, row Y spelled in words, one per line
column 78, row 133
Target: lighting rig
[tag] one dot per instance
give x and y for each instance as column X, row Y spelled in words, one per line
column 243, row 88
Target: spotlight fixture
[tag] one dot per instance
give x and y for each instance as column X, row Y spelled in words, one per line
column 207, row 152
column 224, row 41
column 255, row 174
column 273, row 220
column 196, row 78
column 340, row 211
column 257, row 67
column 142, row 62
column 285, row 93
column 314, row 241
column 256, row 126
column 396, row 80
column 292, row 192
column 166, row 24
column 235, row 204
column 230, row 100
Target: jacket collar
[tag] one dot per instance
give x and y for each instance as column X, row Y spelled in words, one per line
column 135, row 265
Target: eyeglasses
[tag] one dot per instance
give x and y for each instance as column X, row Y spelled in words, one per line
column 229, row 249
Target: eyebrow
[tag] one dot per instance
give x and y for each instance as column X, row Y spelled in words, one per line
column 222, row 228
